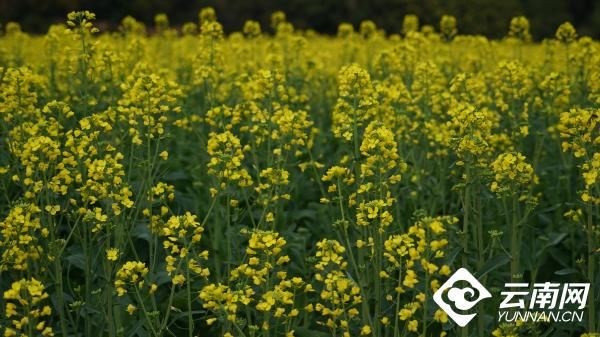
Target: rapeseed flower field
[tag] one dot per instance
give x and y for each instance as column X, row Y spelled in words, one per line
column 274, row 182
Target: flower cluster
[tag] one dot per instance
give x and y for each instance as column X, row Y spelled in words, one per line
column 380, row 150
column 147, row 101
column 131, row 274
column 264, row 250
column 512, row 174
column 519, row 28
column 356, row 104
column 339, row 295
column 566, row 33
column 579, row 130
column 448, row 27
column 21, row 232
column 182, row 235
column 221, row 299
column 591, row 173
column 227, row 155
column 26, row 310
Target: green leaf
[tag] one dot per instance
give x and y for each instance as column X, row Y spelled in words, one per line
column 566, row 271
column 548, row 332
column 77, row 260
column 553, row 240
column 303, row 332
column 492, row 264
column 453, row 255
column 140, row 231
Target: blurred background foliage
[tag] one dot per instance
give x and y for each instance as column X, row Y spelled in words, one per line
column 486, row 17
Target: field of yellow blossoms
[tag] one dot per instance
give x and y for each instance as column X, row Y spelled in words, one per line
column 272, row 182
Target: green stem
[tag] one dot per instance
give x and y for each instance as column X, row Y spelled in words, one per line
column 464, row 332
column 189, row 301
column 591, row 270
column 515, row 248
column 146, row 315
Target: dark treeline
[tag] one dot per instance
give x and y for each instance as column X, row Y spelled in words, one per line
column 487, row 17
